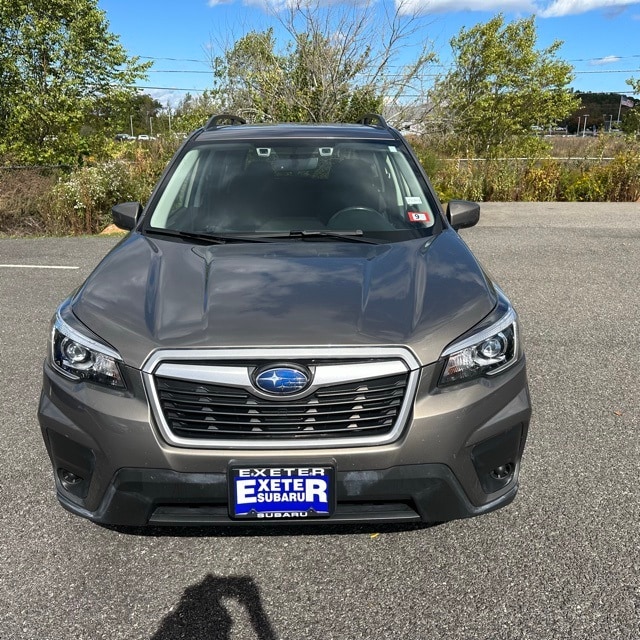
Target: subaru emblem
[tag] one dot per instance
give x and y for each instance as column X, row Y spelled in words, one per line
column 282, row 381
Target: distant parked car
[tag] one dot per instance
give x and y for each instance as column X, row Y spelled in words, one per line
column 123, row 137
column 144, row 136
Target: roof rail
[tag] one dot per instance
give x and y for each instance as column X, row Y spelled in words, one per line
column 228, row 118
column 373, row 119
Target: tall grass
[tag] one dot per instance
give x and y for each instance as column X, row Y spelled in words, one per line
column 600, row 170
column 79, row 202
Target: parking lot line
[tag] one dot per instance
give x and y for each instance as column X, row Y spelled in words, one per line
column 34, row 266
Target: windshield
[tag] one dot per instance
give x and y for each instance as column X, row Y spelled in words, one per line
column 283, row 186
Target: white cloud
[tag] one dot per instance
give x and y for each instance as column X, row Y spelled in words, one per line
column 168, row 97
column 443, row 6
column 544, row 8
column 559, row 8
column 606, row 60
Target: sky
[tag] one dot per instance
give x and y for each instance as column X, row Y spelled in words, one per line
column 601, row 37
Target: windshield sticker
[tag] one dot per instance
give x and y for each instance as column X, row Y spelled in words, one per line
column 393, row 149
column 413, row 200
column 419, row 216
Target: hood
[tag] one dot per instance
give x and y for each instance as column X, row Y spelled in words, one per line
column 152, row 293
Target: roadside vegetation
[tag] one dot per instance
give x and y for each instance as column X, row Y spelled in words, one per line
column 70, row 116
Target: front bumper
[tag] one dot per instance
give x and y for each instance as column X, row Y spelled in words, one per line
column 428, row 493
column 442, row 467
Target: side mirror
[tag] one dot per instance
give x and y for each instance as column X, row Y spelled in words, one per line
column 462, row 214
column 126, row 214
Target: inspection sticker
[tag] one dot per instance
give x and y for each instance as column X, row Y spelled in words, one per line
column 413, row 200
column 281, row 492
column 419, row 216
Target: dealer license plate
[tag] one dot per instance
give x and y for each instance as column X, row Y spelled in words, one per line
column 283, row 492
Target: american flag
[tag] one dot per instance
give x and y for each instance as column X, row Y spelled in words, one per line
column 626, row 102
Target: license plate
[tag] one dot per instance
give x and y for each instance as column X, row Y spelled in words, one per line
column 281, row 492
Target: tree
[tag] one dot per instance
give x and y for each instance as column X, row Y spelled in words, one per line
column 334, row 62
column 60, row 68
column 142, row 109
column 501, row 87
column 634, row 83
column 631, row 122
column 193, row 111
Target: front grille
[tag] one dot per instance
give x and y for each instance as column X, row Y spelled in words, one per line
column 196, row 410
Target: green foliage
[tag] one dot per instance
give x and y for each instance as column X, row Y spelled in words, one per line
column 601, row 110
column 501, row 87
column 60, row 70
column 631, row 121
column 634, row 83
column 585, row 186
column 193, row 111
column 334, row 63
column 538, row 180
column 132, row 112
column 81, row 202
column 309, row 82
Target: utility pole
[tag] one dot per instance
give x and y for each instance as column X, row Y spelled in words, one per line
column 131, row 121
column 584, row 131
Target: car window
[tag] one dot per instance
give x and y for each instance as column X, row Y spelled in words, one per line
column 293, row 185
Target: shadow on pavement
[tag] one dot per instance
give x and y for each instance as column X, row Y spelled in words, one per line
column 202, row 614
column 271, row 530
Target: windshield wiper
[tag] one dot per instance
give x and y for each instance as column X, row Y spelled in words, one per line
column 355, row 235
column 213, row 238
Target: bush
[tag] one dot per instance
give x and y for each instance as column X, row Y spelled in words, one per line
column 623, row 177
column 81, row 203
column 38, row 201
column 545, row 179
column 22, row 192
column 540, row 182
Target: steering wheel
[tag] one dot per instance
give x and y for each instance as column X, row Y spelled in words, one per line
column 364, row 218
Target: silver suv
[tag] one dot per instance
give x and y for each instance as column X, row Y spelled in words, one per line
column 292, row 330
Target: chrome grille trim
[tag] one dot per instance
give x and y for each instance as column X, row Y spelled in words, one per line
column 181, row 365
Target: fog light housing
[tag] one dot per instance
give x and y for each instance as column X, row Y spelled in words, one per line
column 503, row 471
column 496, row 458
column 69, row 479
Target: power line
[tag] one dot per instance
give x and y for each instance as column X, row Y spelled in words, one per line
column 608, row 59
column 174, row 59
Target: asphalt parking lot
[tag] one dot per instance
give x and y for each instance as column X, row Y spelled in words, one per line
column 562, row 561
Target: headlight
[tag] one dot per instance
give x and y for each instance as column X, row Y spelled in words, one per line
column 490, row 351
column 81, row 358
